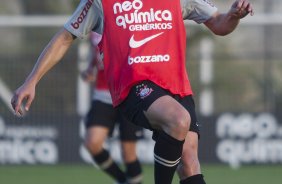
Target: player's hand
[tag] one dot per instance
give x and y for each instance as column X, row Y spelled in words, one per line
column 88, row 75
column 24, row 93
column 241, row 8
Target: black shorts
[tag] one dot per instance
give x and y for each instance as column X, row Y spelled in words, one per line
column 103, row 114
column 142, row 95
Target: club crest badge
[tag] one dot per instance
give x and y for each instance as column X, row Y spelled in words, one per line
column 143, row 91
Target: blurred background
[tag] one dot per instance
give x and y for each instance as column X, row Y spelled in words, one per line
column 237, row 82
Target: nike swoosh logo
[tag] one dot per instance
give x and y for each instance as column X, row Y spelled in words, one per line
column 135, row 44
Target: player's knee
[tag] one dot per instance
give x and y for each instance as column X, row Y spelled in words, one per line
column 93, row 146
column 183, row 123
column 180, row 125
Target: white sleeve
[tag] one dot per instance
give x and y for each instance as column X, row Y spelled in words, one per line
column 197, row 10
column 87, row 17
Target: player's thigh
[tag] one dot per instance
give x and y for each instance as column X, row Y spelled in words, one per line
column 159, row 105
column 128, row 131
column 129, row 135
column 166, row 112
column 101, row 115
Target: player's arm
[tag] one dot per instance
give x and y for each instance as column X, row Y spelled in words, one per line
column 224, row 23
column 57, row 48
column 89, row 74
column 49, row 57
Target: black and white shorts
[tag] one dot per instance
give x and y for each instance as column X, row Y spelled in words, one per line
column 103, row 114
column 142, row 95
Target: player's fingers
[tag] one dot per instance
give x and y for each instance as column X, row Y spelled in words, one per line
column 245, row 4
column 16, row 102
column 239, row 4
column 250, row 9
column 28, row 103
column 85, row 76
column 13, row 102
column 20, row 112
column 241, row 8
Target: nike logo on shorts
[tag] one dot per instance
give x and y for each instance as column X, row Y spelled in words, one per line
column 135, row 44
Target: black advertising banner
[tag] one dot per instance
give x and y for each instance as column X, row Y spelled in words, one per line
column 233, row 139
column 238, row 139
column 37, row 141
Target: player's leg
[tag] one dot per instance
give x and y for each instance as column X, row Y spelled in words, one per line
column 156, row 109
column 99, row 123
column 129, row 135
column 132, row 164
column 173, row 121
column 189, row 170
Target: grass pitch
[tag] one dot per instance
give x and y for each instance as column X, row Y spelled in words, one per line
column 82, row 174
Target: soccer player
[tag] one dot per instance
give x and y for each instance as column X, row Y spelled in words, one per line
column 144, row 45
column 101, row 120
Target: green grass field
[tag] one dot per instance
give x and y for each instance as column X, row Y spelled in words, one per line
column 80, row 174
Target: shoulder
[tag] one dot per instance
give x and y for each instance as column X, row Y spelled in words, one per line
column 197, row 10
column 196, row 2
column 88, row 16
